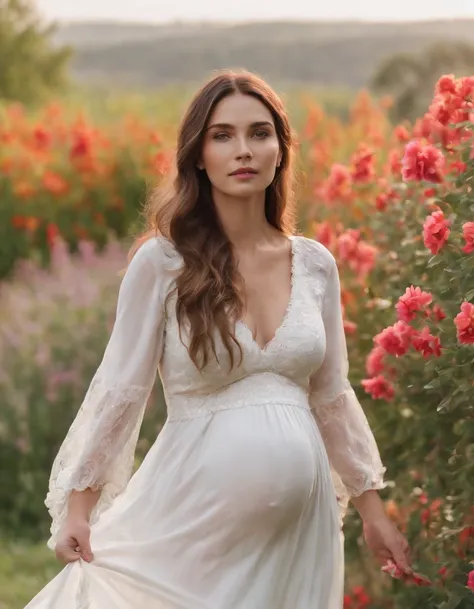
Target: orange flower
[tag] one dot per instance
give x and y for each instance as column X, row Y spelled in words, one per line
column 23, row 189
column 401, row 133
column 28, row 223
column 54, row 183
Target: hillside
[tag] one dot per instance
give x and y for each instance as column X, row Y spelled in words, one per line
column 309, row 52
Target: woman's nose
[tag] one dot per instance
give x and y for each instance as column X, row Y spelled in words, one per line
column 243, row 149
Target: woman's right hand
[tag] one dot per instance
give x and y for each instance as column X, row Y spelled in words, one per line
column 74, row 541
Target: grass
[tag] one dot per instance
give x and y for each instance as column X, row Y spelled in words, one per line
column 24, row 570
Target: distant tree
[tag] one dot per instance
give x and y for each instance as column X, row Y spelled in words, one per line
column 410, row 78
column 31, row 67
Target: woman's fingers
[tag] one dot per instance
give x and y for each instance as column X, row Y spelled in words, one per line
column 66, row 551
column 84, row 542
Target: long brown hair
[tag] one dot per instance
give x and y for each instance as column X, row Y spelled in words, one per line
column 184, row 213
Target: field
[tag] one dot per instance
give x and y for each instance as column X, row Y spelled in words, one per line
column 393, row 202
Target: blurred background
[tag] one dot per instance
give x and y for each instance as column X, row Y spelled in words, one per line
column 91, row 94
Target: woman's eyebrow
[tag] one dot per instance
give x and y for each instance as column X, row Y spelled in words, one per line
column 229, row 126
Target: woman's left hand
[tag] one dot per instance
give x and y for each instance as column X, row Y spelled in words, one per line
column 387, row 543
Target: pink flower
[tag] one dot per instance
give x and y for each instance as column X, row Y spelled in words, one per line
column 435, row 231
column 426, row 343
column 395, row 339
column 468, row 234
column 363, row 169
column 375, row 361
column 466, row 87
column 422, row 163
column 464, row 322
column 401, row 133
column 446, row 84
column 379, row 388
column 470, row 581
column 411, row 302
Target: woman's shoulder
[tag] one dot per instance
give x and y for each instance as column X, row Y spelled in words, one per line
column 315, row 255
column 158, row 251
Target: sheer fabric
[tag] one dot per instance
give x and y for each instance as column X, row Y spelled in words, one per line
column 349, row 441
column 98, row 451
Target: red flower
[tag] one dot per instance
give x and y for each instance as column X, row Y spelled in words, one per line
column 465, row 324
column 426, row 343
column 422, row 163
column 348, row 602
column 81, row 145
column 411, row 302
column 468, row 234
column 381, row 201
column 379, row 388
column 395, row 339
column 361, row 597
column 438, row 313
column 42, row 138
column 457, row 167
column 435, row 231
column 52, row 232
column 375, row 361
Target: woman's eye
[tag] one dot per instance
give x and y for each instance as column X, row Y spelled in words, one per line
column 221, row 136
column 261, row 134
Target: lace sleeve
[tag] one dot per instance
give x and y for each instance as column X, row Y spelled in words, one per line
column 350, row 444
column 98, row 451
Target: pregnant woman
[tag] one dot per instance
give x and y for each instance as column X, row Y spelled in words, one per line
column 238, row 503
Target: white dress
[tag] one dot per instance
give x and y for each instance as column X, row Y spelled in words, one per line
column 234, row 506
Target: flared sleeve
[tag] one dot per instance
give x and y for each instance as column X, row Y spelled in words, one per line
column 350, row 444
column 98, row 451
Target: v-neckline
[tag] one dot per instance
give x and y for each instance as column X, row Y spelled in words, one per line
column 265, row 348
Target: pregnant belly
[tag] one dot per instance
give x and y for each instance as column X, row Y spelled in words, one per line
column 261, row 462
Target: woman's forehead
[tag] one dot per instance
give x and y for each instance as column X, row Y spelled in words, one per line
column 240, row 110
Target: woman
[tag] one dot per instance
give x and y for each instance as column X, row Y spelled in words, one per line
column 235, row 506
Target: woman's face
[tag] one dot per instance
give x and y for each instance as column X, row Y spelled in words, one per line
column 240, row 135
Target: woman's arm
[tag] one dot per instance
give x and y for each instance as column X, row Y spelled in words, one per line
column 96, row 458
column 349, row 441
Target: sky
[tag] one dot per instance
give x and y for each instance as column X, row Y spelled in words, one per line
column 243, row 10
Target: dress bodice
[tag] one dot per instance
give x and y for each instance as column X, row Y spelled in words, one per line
column 295, row 351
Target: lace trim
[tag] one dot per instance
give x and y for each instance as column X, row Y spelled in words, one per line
column 98, row 451
column 351, row 446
